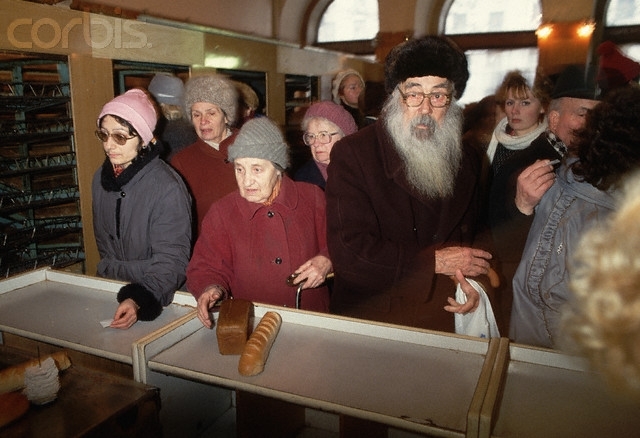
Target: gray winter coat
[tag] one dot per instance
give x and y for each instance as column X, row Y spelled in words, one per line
column 143, row 231
column 541, row 282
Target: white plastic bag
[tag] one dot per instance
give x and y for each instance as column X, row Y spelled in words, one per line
column 481, row 322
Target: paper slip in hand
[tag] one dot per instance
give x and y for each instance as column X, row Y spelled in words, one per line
column 106, row 323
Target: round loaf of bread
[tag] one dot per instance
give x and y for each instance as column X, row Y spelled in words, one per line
column 13, row 405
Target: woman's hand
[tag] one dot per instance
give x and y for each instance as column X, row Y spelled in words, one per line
column 126, row 314
column 313, row 272
column 206, row 302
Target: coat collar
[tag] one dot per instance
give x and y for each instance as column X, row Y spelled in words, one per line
column 112, row 184
column 287, row 200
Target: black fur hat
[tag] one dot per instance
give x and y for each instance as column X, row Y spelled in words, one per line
column 427, row 56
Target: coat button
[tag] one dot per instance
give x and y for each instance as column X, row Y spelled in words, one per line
column 278, row 261
column 270, row 214
column 123, row 194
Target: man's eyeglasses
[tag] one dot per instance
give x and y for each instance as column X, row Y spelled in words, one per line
column 436, row 99
column 323, row 137
column 119, row 138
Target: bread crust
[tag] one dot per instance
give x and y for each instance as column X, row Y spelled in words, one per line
column 256, row 351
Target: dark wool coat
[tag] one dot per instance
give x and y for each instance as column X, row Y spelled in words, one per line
column 382, row 235
column 310, row 173
column 143, row 232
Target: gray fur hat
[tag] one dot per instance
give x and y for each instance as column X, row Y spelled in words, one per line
column 213, row 89
column 260, row 138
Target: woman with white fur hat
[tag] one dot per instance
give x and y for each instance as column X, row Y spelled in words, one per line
column 255, row 237
column 348, row 91
column 141, row 211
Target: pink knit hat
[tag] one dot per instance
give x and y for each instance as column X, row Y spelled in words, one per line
column 334, row 113
column 135, row 107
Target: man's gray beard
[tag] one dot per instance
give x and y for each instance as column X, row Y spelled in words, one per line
column 432, row 157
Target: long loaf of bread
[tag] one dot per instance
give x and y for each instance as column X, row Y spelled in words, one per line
column 12, row 378
column 256, row 351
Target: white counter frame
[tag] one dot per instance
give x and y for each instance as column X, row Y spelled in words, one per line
column 343, row 366
column 417, row 380
column 65, row 310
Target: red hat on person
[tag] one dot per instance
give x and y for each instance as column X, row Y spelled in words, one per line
column 615, row 69
column 334, row 113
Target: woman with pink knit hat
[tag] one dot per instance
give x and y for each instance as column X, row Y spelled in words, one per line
column 324, row 124
column 141, row 211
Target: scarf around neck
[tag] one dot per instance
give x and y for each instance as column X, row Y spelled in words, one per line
column 112, row 183
column 511, row 142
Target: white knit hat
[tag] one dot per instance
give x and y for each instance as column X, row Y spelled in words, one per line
column 338, row 80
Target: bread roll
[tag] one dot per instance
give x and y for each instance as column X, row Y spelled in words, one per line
column 256, row 351
column 12, row 406
column 12, row 378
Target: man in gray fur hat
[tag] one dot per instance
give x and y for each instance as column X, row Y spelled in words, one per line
column 402, row 203
column 210, row 103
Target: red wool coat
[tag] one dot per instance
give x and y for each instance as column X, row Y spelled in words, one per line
column 382, row 236
column 207, row 174
column 251, row 249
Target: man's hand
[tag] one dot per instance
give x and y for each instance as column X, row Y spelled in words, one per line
column 473, row 297
column 470, row 261
column 533, row 183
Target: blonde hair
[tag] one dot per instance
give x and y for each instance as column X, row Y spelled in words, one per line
column 602, row 321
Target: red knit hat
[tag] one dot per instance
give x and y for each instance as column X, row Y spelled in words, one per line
column 334, row 113
column 615, row 69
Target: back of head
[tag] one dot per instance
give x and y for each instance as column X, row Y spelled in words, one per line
column 167, row 89
column 212, row 89
column 608, row 146
column 602, row 320
column 427, row 56
column 334, row 113
column 260, row 138
column 247, row 95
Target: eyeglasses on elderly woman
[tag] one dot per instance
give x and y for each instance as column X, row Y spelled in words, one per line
column 322, row 137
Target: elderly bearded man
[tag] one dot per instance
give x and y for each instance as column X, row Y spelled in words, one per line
column 402, row 202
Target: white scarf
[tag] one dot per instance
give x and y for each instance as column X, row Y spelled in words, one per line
column 513, row 143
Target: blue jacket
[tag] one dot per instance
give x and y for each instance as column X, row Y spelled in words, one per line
column 541, row 282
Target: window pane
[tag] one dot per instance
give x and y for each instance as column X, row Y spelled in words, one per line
column 481, row 16
column 488, row 67
column 348, row 20
column 623, row 12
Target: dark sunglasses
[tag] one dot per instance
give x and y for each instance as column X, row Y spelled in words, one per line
column 119, row 138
